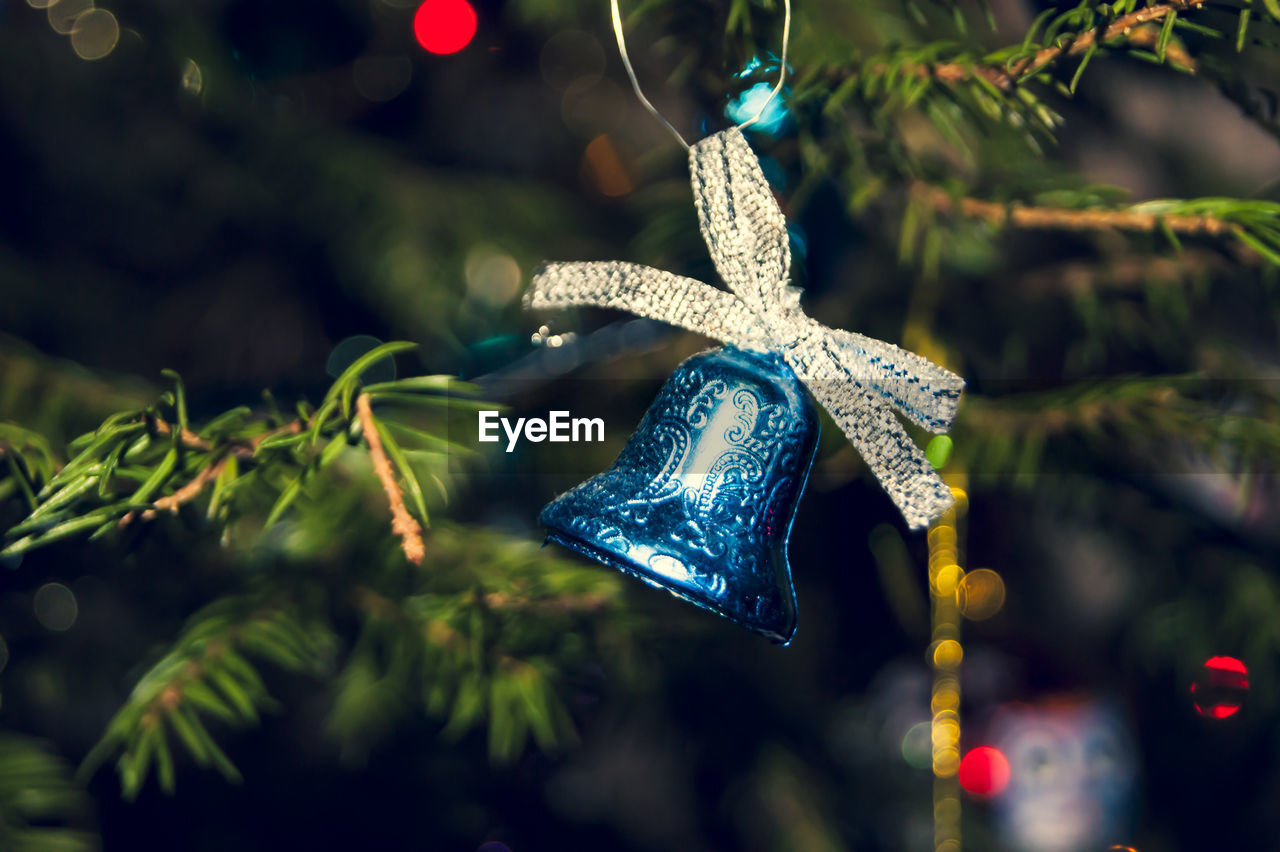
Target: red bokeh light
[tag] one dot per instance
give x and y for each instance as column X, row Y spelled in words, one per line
column 984, row 771
column 1220, row 691
column 1226, row 664
column 444, row 26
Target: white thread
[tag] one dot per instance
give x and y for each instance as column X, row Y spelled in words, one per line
column 616, row 14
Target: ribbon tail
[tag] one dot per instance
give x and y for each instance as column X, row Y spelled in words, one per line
column 924, row 392
column 644, row 291
column 870, row 425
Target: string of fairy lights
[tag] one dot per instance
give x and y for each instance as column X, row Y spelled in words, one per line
column 955, row 595
column 945, row 575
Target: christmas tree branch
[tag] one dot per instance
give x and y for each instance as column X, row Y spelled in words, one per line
column 1075, row 45
column 1235, row 421
column 467, row 643
column 210, row 473
column 185, row 494
column 38, row 799
column 1258, row 103
column 1122, row 31
column 480, row 638
column 1255, row 224
column 204, row 677
column 970, row 96
column 1022, row 216
column 139, row 463
column 189, row 439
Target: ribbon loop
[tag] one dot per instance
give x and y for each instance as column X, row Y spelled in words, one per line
column 651, row 293
column 741, row 223
column 859, row 380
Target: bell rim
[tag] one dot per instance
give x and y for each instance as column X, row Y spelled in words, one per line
column 621, row 563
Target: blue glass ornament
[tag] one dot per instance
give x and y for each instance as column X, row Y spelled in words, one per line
column 700, row 502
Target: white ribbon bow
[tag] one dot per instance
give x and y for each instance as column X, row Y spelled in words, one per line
column 859, row 380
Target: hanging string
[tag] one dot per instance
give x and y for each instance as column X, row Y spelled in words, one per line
column 782, row 66
column 635, row 84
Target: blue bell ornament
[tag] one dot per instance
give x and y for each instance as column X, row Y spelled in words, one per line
column 700, row 502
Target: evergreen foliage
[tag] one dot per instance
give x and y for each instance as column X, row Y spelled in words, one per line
column 37, row 799
column 463, row 640
column 1119, row 353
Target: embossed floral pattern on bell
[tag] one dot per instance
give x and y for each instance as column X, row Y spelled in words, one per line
column 701, row 499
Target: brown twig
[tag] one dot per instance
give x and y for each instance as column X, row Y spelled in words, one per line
column 189, row 438
column 193, row 441
column 1072, row 220
column 402, row 523
column 1129, row 26
column 1121, row 27
column 185, row 494
column 193, row 488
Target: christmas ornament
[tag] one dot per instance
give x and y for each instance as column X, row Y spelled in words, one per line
column 701, row 499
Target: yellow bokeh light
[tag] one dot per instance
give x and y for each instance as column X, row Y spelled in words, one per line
column 946, row 762
column 943, row 739
column 55, row 607
column 63, row 13
column 94, row 34
column 949, row 718
column 941, row 554
column 946, row 809
column 945, row 732
column 945, row 629
column 942, row 534
column 947, row 579
column 945, row 700
column 947, row 654
column 492, row 275
column 192, row 78
column 980, row 594
column 948, row 845
column 939, row 559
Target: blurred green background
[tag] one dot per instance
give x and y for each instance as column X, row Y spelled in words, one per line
column 231, row 189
